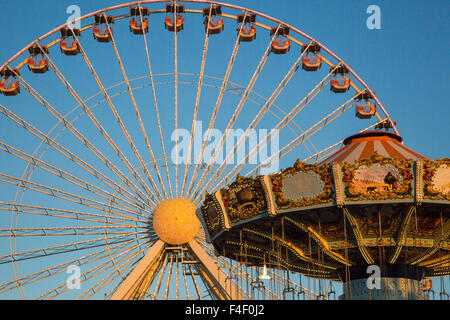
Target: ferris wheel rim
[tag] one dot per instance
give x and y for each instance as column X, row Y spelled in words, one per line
column 236, row 7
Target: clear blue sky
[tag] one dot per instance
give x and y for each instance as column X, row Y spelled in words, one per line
column 405, row 62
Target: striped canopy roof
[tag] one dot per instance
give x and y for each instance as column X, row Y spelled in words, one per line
column 363, row 145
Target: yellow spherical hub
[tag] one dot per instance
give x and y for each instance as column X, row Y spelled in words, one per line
column 175, row 222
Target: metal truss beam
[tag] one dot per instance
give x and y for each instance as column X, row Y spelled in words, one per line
column 222, row 287
column 147, row 267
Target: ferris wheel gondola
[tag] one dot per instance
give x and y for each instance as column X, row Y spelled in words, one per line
column 139, row 20
column 9, row 85
column 246, row 27
column 312, row 60
column 213, row 19
column 102, row 30
column 174, row 20
column 340, row 82
column 280, row 43
column 37, row 62
column 68, row 44
column 365, row 108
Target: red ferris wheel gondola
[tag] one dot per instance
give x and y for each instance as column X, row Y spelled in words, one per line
column 312, row 61
column 9, row 85
column 100, row 30
column 365, row 107
column 340, row 82
column 246, row 27
column 68, row 44
column 37, row 62
column 213, row 19
column 280, row 43
column 138, row 20
column 174, row 19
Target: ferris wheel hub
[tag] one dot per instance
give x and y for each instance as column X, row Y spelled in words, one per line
column 175, row 222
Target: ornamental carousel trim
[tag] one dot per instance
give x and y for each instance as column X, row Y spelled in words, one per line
column 322, row 175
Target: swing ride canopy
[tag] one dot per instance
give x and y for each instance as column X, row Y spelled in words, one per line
column 374, row 201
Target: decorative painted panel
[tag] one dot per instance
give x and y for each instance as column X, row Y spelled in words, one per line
column 212, row 214
column 244, row 199
column 378, row 178
column 436, row 179
column 302, row 185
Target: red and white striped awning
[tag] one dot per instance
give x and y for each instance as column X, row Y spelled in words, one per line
column 363, row 145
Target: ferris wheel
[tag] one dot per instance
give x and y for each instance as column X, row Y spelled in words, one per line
column 113, row 132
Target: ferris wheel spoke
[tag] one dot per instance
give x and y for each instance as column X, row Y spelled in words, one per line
column 91, row 116
column 120, row 267
column 225, row 264
column 65, row 231
column 87, row 275
column 318, row 126
column 60, row 268
column 284, row 82
column 331, row 149
column 216, row 109
column 144, row 34
column 323, row 154
column 67, row 196
column 77, row 160
column 105, row 225
column 296, row 134
column 186, row 286
column 290, row 127
column 68, row 214
column 169, row 276
column 197, row 101
column 177, row 277
column 162, row 272
column 67, row 177
column 237, row 111
column 283, row 123
column 268, row 293
column 176, row 100
column 255, row 284
column 291, row 247
column 118, row 151
column 194, row 281
column 74, row 131
column 281, row 263
column 69, row 247
column 324, row 122
column 141, row 125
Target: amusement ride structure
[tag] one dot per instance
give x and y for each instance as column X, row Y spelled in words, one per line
column 101, row 199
